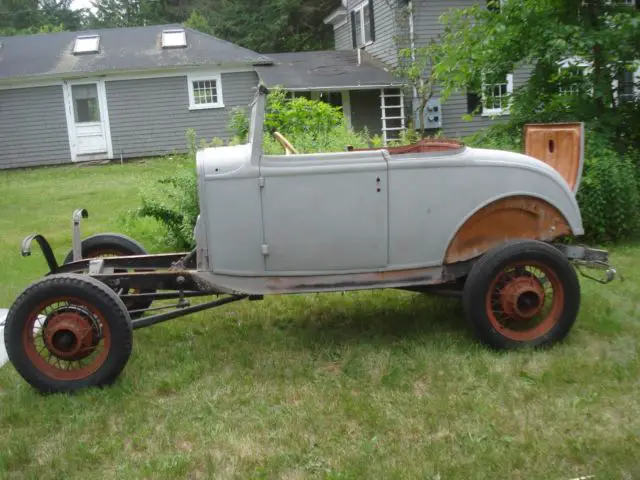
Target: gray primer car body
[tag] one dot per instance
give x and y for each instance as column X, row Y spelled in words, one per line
column 350, row 220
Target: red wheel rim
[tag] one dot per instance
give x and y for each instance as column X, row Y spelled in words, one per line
column 525, row 301
column 66, row 338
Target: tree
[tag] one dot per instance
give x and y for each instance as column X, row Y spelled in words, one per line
column 34, row 16
column 416, row 68
column 600, row 37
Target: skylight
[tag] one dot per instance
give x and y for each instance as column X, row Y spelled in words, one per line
column 174, row 38
column 87, row 44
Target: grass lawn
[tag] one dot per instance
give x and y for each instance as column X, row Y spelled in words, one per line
column 362, row 385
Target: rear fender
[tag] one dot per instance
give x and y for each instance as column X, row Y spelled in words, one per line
column 509, row 218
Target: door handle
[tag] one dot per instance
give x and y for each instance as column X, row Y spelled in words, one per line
column 378, row 189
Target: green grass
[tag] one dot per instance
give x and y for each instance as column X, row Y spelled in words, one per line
column 361, row 385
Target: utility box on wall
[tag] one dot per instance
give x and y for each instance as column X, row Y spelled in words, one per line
column 432, row 114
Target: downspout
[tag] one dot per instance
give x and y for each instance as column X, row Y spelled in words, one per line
column 412, row 40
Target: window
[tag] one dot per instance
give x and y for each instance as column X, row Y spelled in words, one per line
column 87, row 44
column 626, row 87
column 362, row 24
column 205, row 91
column 174, row 38
column 496, row 97
column 572, row 72
column 85, row 103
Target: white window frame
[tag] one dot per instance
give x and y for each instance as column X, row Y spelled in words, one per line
column 174, row 38
column 573, row 62
column 86, row 44
column 491, row 112
column 359, row 11
column 195, row 77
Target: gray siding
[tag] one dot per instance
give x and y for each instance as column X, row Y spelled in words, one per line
column 342, row 37
column 365, row 110
column 454, row 125
column 151, row 116
column 384, row 48
column 426, row 17
column 33, row 127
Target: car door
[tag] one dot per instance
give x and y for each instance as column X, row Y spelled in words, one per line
column 324, row 212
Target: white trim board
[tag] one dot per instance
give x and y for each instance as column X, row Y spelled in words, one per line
column 3, row 353
column 15, row 83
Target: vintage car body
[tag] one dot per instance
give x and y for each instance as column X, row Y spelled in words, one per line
column 435, row 217
column 287, row 223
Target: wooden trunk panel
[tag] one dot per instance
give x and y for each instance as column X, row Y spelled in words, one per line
column 558, row 145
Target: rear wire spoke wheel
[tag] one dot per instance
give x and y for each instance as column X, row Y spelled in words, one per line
column 67, row 332
column 116, row 245
column 522, row 293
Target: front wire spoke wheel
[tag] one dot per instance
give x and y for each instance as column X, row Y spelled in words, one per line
column 71, row 343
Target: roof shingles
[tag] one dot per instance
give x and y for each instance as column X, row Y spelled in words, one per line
column 121, row 50
column 331, row 69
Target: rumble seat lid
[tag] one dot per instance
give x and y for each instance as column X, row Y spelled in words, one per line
column 560, row 145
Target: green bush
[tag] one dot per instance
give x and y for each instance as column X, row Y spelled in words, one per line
column 173, row 201
column 300, row 116
column 609, row 195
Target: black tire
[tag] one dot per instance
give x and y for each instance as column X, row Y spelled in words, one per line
column 114, row 244
column 486, row 296
column 81, row 292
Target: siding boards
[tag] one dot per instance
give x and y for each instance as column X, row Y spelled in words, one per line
column 151, row 116
column 384, row 47
column 342, row 37
column 456, row 107
column 33, row 127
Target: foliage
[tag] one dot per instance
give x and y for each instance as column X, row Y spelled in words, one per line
column 300, row 115
column 609, row 194
column 239, row 123
column 173, row 201
column 19, row 17
column 479, row 44
column 268, row 26
column 416, row 68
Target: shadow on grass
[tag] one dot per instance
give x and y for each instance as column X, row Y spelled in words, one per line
column 409, row 318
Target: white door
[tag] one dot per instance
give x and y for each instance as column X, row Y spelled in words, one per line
column 88, row 121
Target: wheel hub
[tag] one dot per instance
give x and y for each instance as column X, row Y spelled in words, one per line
column 70, row 334
column 522, row 298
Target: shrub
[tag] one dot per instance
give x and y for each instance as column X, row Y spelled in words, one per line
column 239, row 124
column 609, row 194
column 173, row 201
column 300, row 115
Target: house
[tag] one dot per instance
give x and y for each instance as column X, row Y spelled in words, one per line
column 117, row 93
column 380, row 28
column 351, row 79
